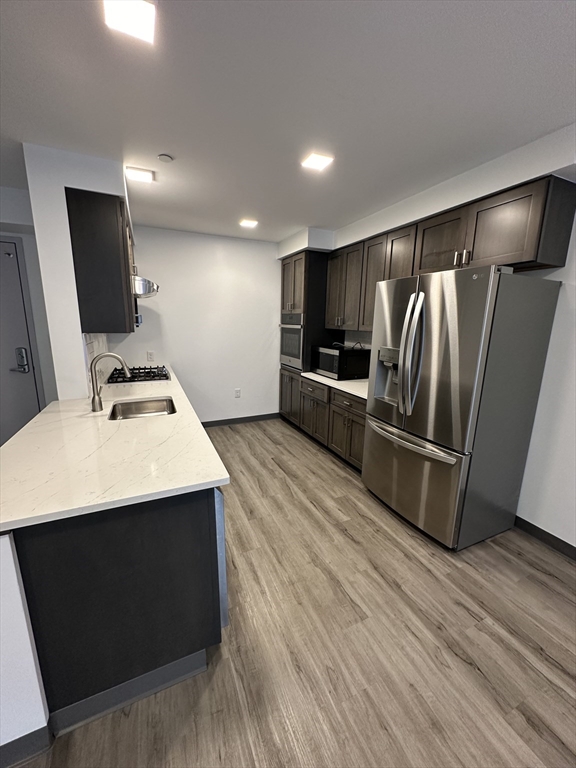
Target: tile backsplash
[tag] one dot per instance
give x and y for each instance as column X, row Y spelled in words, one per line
column 95, row 344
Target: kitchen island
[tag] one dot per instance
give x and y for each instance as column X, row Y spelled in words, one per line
column 118, row 531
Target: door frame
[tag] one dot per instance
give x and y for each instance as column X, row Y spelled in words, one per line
column 18, row 244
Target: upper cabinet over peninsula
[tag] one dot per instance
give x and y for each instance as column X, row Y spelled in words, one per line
column 525, row 227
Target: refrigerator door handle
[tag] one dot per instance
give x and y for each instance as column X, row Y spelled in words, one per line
column 411, row 397
column 430, row 453
column 402, row 352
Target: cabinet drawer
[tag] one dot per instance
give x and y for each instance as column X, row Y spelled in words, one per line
column 313, row 389
column 348, row 401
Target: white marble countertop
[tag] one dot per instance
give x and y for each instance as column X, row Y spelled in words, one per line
column 69, row 461
column 358, row 387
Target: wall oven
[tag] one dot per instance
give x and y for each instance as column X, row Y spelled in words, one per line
column 291, row 339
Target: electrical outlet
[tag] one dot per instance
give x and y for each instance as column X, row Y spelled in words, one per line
column 150, row 356
column 237, row 392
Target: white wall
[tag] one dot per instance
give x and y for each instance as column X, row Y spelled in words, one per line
column 15, row 207
column 49, row 171
column 22, row 704
column 215, row 319
column 548, row 493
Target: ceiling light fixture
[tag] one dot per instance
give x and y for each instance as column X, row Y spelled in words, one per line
column 133, row 17
column 164, row 158
column 250, row 223
column 139, row 174
column 317, row 162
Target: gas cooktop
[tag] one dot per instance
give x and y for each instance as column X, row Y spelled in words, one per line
column 139, row 373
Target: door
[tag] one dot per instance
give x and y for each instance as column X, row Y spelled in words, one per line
column 307, row 413
column 285, row 394
column 454, row 309
column 321, row 421
column 373, row 272
column 355, row 443
column 334, row 283
column 393, row 307
column 352, row 284
column 298, row 272
column 295, row 398
column 19, row 399
column 338, row 430
column 287, row 284
column 400, row 253
column 440, row 241
column 423, row 483
column 505, row 229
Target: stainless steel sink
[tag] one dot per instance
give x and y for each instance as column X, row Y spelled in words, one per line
column 135, row 409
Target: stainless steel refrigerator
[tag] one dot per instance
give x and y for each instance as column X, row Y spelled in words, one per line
column 455, row 372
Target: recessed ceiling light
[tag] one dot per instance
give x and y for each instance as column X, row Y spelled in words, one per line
column 250, row 223
column 134, row 17
column 317, row 162
column 139, row 174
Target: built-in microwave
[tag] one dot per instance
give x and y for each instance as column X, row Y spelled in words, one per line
column 291, row 339
column 341, row 362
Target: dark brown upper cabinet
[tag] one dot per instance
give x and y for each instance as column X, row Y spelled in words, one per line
column 510, row 228
column 293, row 275
column 372, row 273
column 344, row 283
column 440, row 241
column 99, row 234
column 400, row 253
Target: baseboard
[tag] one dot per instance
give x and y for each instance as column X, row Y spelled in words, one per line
column 241, row 420
column 548, row 538
column 26, row 747
column 122, row 695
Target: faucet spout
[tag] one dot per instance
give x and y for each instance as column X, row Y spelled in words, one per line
column 96, row 399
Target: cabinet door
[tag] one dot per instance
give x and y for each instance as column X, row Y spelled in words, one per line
column 307, row 413
column 298, row 272
column 101, row 261
column 350, row 300
column 505, row 229
column 337, row 434
column 372, row 273
column 295, row 398
column 355, row 441
column 334, row 280
column 285, row 394
column 400, row 253
column 321, row 421
column 440, row 241
column 287, row 284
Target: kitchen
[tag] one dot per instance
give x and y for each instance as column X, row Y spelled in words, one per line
column 316, row 665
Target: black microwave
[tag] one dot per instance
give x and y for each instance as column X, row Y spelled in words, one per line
column 341, row 362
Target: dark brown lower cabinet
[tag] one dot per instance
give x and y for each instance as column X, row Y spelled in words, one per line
column 290, row 395
column 314, row 417
column 346, row 436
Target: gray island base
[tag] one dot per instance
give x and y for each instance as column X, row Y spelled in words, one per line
column 123, row 602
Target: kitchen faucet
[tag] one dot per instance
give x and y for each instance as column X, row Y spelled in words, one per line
column 96, row 399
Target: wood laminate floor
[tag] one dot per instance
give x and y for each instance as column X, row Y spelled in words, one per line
column 356, row 641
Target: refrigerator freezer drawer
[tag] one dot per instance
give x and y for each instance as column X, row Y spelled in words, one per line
column 423, row 483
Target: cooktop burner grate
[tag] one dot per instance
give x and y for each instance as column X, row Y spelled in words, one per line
column 139, row 373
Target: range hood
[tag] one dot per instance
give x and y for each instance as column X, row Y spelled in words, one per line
column 143, row 288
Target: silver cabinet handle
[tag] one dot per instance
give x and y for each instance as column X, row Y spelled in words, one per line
column 456, row 259
column 345, row 402
column 410, row 398
column 431, row 454
column 310, row 389
column 466, row 256
column 402, row 352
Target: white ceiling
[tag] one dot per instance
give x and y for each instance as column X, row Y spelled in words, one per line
column 404, row 94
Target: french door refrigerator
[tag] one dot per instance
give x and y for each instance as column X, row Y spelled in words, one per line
column 455, row 372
